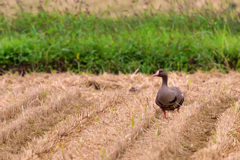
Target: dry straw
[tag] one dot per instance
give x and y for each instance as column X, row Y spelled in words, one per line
column 109, row 7
column 69, row 116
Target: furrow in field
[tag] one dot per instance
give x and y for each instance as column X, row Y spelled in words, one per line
column 190, row 133
column 181, row 131
column 90, row 139
column 159, row 132
column 124, row 119
column 117, row 149
column 23, row 93
column 125, row 147
column 35, row 122
column 25, row 101
column 67, row 130
column 18, row 95
column 115, row 117
column 123, row 139
column 225, row 141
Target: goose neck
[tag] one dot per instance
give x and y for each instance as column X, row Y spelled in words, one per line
column 164, row 81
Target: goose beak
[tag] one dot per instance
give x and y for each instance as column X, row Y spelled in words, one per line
column 155, row 75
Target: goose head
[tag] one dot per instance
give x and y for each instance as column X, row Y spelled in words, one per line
column 160, row 73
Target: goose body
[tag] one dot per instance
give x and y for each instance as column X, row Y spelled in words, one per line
column 168, row 98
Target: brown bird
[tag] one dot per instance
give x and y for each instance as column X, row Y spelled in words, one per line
column 168, row 98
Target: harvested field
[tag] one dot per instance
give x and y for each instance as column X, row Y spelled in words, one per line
column 72, row 116
column 111, row 7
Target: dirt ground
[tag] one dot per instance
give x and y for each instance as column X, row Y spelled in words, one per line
column 72, row 116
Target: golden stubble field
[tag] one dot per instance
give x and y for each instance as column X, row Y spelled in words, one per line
column 111, row 7
column 72, row 116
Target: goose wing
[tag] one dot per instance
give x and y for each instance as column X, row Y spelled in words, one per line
column 179, row 96
column 166, row 99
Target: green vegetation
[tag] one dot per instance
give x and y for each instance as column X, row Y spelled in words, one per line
column 174, row 41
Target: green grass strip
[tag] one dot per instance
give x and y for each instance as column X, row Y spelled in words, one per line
column 173, row 41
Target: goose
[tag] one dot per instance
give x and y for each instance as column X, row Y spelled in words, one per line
column 168, row 98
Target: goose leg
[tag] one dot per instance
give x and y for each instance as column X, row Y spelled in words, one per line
column 178, row 110
column 165, row 114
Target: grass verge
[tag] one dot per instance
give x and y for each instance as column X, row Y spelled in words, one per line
column 87, row 42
